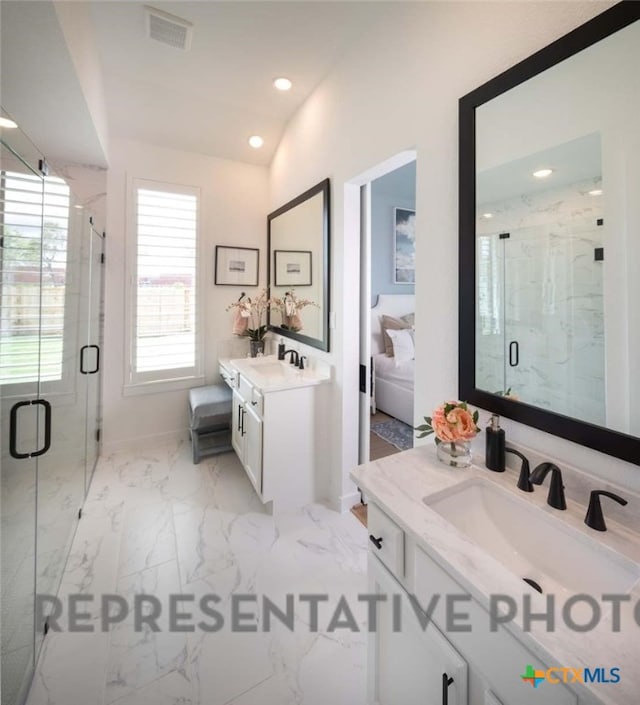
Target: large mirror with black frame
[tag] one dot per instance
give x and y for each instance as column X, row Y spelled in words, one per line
column 550, row 238
column 298, row 267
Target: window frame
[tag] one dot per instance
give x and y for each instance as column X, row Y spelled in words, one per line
column 154, row 381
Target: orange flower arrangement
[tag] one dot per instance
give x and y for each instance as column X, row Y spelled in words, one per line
column 451, row 422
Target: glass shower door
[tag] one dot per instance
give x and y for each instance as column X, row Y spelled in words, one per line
column 93, row 362
column 24, row 418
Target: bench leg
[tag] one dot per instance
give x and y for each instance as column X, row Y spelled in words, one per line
column 195, row 448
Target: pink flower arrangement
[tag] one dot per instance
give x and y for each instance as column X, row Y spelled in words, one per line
column 451, row 421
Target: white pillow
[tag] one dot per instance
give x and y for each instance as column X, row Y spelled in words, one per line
column 403, row 345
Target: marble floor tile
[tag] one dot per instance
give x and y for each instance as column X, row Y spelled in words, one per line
column 148, row 537
column 172, row 689
column 156, row 524
column 71, row 670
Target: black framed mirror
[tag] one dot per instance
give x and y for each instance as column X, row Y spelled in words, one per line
column 549, row 233
column 298, row 237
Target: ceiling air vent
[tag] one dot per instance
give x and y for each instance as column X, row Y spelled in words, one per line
column 168, row 29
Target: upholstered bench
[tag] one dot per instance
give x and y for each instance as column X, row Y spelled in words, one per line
column 210, row 420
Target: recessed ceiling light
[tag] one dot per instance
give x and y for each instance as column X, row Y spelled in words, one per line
column 282, row 84
column 9, row 124
column 256, row 141
column 487, row 215
column 596, row 192
column 78, row 206
column 542, row 173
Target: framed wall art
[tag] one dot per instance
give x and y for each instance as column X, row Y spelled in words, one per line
column 292, row 267
column 236, row 266
column 404, row 246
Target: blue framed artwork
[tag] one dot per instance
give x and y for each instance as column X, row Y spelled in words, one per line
column 404, row 246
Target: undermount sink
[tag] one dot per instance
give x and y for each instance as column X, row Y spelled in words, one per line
column 531, row 543
column 270, row 366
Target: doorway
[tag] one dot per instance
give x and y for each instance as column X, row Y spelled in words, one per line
column 380, row 205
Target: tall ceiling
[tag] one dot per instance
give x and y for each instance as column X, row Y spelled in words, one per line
column 211, row 98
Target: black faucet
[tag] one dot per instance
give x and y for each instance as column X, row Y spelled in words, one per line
column 294, row 356
column 301, row 362
column 594, row 517
column 556, row 488
column 524, row 481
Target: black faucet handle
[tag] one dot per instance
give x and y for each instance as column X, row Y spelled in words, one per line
column 594, row 517
column 281, row 349
column 524, row 481
column 556, row 497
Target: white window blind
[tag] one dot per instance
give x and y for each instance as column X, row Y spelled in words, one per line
column 35, row 227
column 165, row 340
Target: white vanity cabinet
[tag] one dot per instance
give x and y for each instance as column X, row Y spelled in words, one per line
column 409, row 666
column 274, row 422
column 246, row 437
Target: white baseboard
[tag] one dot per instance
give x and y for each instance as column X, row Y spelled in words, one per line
column 347, row 501
column 144, row 442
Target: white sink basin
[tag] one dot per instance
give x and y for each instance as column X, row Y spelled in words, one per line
column 270, row 373
column 533, row 544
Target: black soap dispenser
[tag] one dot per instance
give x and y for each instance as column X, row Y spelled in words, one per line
column 494, row 458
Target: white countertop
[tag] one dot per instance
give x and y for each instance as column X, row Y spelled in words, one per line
column 398, row 485
column 268, row 374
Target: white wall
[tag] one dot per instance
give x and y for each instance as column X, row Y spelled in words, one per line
column 234, row 204
column 81, row 42
column 399, row 89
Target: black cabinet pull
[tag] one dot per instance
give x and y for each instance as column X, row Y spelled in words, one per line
column 13, row 429
column 446, row 682
column 243, row 412
column 239, row 416
column 514, row 353
column 376, row 542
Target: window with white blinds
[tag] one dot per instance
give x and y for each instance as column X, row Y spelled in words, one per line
column 165, row 336
column 35, row 229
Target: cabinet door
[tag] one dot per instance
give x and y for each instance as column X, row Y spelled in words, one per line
column 409, row 665
column 253, row 447
column 237, row 437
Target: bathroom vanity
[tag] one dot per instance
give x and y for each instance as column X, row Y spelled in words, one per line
column 276, row 410
column 453, row 538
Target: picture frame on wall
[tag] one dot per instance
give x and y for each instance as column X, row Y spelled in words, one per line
column 292, row 267
column 236, row 266
column 404, row 246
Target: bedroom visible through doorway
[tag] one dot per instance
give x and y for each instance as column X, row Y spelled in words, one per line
column 392, row 310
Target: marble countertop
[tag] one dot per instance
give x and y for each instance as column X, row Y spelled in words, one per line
column 268, row 374
column 399, row 483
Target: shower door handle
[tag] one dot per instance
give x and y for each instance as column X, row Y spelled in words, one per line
column 97, row 367
column 514, row 353
column 13, row 429
column 83, row 349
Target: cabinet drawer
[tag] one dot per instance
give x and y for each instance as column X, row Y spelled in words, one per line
column 228, row 376
column 499, row 656
column 256, row 401
column 245, row 388
column 386, row 539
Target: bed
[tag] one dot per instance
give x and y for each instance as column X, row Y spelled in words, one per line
column 392, row 384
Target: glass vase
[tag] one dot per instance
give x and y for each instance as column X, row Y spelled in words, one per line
column 255, row 347
column 456, row 454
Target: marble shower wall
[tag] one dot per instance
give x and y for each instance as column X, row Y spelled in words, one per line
column 543, row 288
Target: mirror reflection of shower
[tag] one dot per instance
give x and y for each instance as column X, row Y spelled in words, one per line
column 539, row 271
